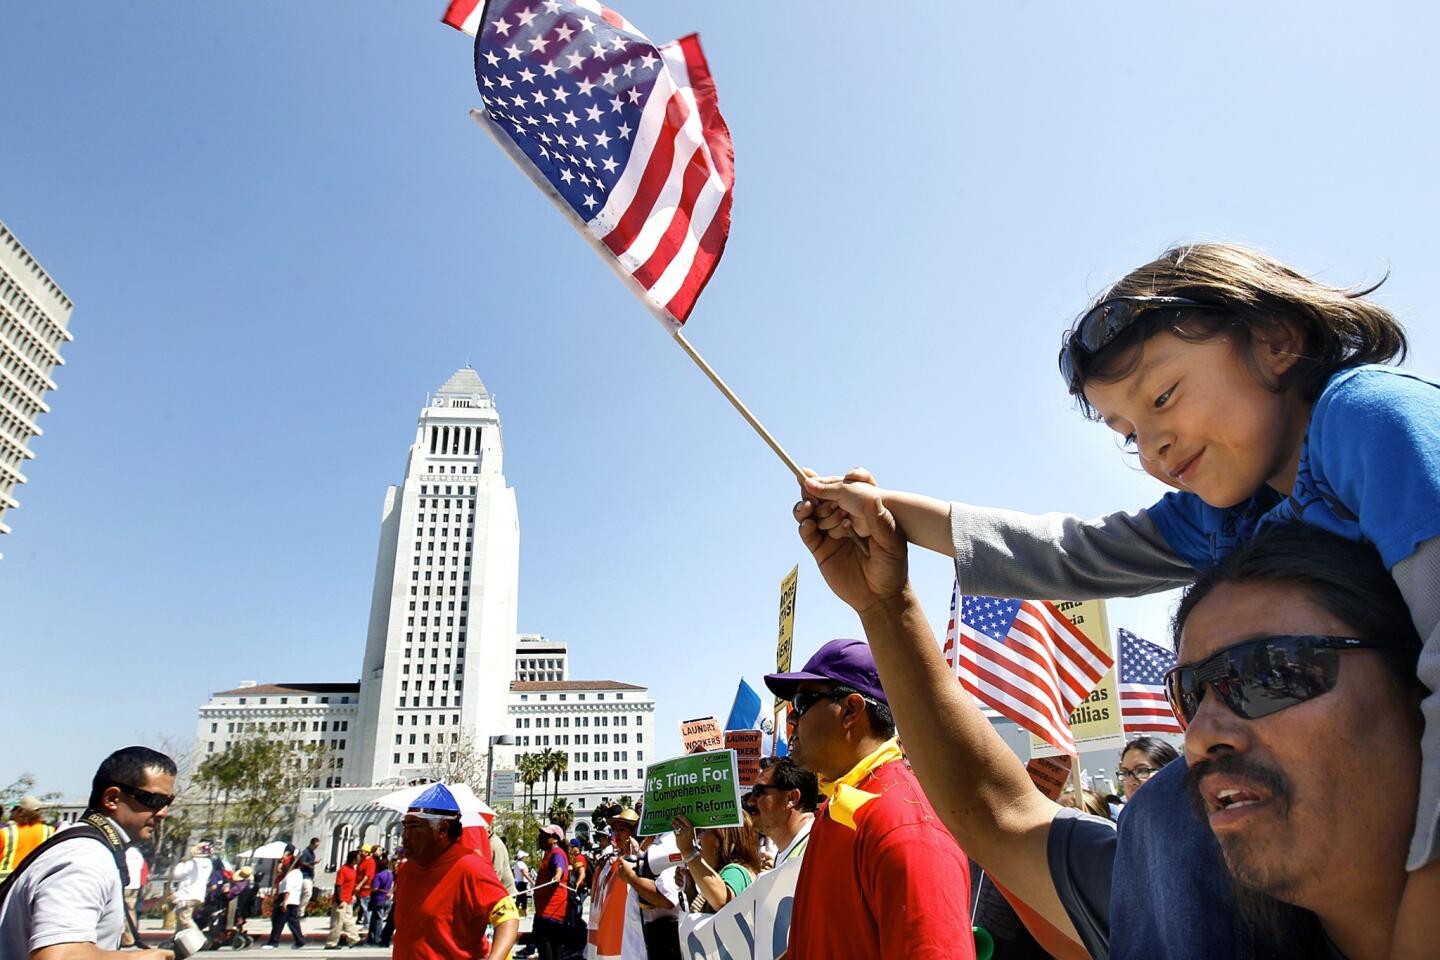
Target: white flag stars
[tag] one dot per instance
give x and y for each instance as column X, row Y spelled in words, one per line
column 557, row 53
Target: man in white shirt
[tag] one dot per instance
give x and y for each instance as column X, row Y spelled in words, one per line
column 69, row 903
column 286, row 909
column 191, row 878
column 783, row 803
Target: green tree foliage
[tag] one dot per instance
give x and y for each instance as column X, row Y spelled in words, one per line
column 252, row 787
column 519, row 830
column 562, row 813
column 546, row 763
column 602, row 810
column 528, row 770
column 559, row 764
column 24, row 784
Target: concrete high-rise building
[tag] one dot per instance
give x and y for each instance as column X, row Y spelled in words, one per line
column 540, row 658
column 34, row 322
column 444, row 669
column 441, row 645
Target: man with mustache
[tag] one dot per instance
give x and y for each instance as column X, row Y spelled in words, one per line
column 1296, row 678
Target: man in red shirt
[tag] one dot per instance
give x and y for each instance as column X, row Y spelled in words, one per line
column 881, row 874
column 342, row 911
column 445, row 893
column 552, row 896
column 364, row 876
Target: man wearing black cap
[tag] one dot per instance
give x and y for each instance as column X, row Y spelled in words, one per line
column 881, row 874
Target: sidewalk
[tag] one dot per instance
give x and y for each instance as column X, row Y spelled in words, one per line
column 314, row 928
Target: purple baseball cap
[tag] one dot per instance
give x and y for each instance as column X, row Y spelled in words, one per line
column 839, row 661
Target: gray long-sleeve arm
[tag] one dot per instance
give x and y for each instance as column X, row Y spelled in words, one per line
column 1061, row 557
column 1418, row 577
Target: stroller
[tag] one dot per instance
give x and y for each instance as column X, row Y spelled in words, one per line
column 239, row 894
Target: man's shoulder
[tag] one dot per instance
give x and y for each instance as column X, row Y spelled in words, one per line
column 899, row 800
column 901, row 815
column 80, row 855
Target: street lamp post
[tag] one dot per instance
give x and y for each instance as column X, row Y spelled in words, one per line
column 504, row 740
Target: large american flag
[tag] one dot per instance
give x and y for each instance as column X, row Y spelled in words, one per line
column 621, row 133
column 1026, row 660
column 1142, row 691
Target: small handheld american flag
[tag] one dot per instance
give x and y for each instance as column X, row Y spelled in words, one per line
column 625, row 136
column 1143, row 706
column 1025, row 659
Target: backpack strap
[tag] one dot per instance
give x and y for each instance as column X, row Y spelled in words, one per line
column 94, row 826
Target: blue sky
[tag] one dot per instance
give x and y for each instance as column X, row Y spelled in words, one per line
column 280, row 230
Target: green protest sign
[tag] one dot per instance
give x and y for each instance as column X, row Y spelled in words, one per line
column 702, row 786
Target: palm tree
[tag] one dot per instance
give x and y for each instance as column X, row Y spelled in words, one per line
column 547, row 763
column 562, row 813
column 527, row 768
column 559, row 763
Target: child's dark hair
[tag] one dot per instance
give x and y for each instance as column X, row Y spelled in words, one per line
column 1248, row 296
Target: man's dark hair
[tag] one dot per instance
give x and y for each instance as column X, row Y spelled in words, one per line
column 1157, row 751
column 1349, row 581
column 882, row 721
column 1344, row 578
column 453, row 828
column 352, row 858
column 128, row 766
column 314, row 839
column 789, row 775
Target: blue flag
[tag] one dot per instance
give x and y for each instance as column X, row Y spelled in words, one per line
column 746, row 710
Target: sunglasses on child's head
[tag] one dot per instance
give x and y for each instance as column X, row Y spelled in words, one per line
column 1105, row 321
column 1260, row 677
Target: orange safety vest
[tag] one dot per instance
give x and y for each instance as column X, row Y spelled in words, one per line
column 17, row 841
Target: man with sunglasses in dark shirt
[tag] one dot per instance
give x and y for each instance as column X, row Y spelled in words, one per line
column 1296, row 677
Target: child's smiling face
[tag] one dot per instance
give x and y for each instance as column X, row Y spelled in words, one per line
column 1203, row 420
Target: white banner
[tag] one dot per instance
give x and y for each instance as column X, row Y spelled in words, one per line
column 753, row 926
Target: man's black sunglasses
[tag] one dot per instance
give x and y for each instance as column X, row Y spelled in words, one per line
column 150, row 801
column 805, row 699
column 1262, row 676
column 748, row 800
column 1105, row 321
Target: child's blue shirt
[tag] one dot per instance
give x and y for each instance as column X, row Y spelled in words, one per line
column 1369, row 471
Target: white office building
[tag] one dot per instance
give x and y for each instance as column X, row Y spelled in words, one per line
column 605, row 728
column 316, row 714
column 34, row 325
column 441, row 643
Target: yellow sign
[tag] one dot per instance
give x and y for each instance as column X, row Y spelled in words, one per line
column 786, row 644
column 1095, row 723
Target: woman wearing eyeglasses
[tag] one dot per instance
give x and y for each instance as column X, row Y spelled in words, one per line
column 1141, row 759
column 719, row 862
